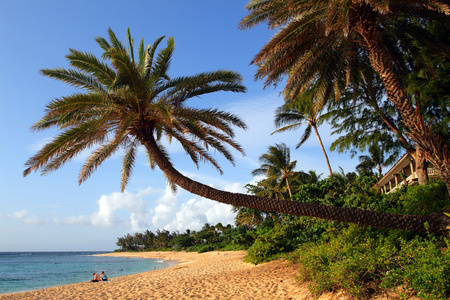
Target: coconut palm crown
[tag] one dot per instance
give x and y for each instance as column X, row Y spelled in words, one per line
column 120, row 105
column 292, row 115
column 276, row 164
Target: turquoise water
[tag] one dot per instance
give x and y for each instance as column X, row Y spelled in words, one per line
column 26, row 271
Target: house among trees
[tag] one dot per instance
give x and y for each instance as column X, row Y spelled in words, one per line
column 403, row 172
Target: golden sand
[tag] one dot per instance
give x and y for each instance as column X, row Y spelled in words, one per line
column 212, row 275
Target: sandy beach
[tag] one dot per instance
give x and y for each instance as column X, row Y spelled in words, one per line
column 212, row 275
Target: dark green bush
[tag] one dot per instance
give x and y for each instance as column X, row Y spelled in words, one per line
column 207, row 248
column 364, row 263
column 232, row 247
column 425, row 199
column 423, row 266
column 271, row 242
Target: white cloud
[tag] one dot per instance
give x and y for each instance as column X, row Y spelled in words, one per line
column 23, row 216
column 165, row 209
column 196, row 212
column 109, row 208
column 34, row 220
column 18, row 214
column 129, row 202
column 235, row 187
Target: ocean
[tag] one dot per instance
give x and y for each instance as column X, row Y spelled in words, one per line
column 27, row 271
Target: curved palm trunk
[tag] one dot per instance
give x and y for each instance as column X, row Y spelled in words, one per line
column 437, row 152
column 289, row 188
column 323, row 149
column 437, row 222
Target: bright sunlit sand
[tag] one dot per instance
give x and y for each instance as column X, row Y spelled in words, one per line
column 212, row 275
column 195, row 276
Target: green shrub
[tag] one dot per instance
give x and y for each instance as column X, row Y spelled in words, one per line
column 423, row 266
column 271, row 242
column 232, row 247
column 361, row 260
column 194, row 248
column 207, row 248
column 425, row 199
column 365, row 264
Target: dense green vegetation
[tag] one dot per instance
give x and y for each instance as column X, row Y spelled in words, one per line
column 360, row 260
column 209, row 238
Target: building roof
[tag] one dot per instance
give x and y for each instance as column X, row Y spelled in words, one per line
column 397, row 168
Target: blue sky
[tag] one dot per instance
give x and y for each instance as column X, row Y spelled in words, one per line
column 53, row 213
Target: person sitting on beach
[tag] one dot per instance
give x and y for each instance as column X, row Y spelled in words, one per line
column 96, row 278
column 103, row 276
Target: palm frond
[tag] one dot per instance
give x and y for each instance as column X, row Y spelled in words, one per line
column 162, row 62
column 116, row 44
column 305, row 136
column 75, row 78
column 96, row 159
column 127, row 164
column 67, row 145
column 87, row 62
column 131, row 103
column 127, row 74
column 149, row 56
column 130, row 42
column 141, row 53
column 103, row 43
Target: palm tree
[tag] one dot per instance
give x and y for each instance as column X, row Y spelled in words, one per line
column 375, row 159
column 129, row 103
column 133, row 103
column 277, row 165
column 248, row 217
column 271, row 188
column 320, row 43
column 294, row 114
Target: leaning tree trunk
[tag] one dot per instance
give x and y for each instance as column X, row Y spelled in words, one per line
column 437, row 222
column 323, row 149
column 364, row 22
column 289, row 188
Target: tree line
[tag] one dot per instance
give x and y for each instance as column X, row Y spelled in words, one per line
column 210, row 237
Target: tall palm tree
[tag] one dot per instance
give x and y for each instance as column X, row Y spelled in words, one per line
column 292, row 115
column 320, row 41
column 128, row 103
column 277, row 165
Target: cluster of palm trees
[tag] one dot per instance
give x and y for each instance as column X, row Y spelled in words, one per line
column 164, row 239
column 331, row 45
column 322, row 46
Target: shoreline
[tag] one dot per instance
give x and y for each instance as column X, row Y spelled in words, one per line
column 210, row 275
column 34, row 270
